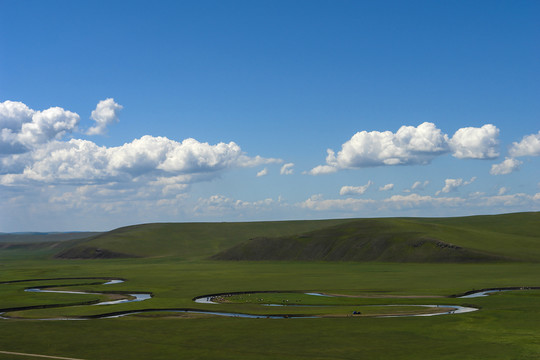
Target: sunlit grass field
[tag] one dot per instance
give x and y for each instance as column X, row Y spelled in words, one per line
column 506, row 326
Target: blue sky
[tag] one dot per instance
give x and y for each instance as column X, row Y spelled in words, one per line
column 116, row 113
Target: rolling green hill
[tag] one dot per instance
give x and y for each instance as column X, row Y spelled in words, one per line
column 188, row 241
column 18, row 238
column 507, row 237
column 38, row 245
column 465, row 239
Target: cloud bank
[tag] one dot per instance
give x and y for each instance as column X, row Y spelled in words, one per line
column 410, row 146
column 358, row 207
column 34, row 150
column 23, row 129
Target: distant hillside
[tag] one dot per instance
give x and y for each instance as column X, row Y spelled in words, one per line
column 465, row 239
column 35, row 237
column 363, row 240
column 183, row 240
column 513, row 237
column 38, row 245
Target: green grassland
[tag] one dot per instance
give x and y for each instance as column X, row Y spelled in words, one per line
column 505, row 327
column 187, row 240
column 468, row 239
column 465, row 239
column 43, row 237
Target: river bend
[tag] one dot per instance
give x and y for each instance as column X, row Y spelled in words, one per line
column 211, row 299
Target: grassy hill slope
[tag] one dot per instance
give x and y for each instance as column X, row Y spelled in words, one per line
column 464, row 239
column 188, row 241
column 18, row 238
column 38, row 245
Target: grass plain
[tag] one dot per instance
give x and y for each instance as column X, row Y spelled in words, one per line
column 505, row 327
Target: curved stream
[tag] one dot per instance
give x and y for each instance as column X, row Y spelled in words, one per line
column 135, row 296
column 453, row 309
column 210, row 299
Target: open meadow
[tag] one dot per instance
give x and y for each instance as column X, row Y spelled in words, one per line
column 505, row 326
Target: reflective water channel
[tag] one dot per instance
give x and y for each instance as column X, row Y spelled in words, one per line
column 454, row 309
column 210, row 299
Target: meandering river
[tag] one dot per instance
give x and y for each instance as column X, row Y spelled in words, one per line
column 211, row 299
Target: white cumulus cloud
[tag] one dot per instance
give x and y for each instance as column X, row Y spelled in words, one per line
column 355, row 190
column 33, row 150
column 528, row 146
column 43, row 168
column 453, row 184
column 50, row 124
column 410, row 145
column 323, row 169
column 22, row 129
column 83, row 161
column 508, row 166
column 13, row 114
column 475, row 143
column 105, row 114
column 287, row 169
column 418, row 185
column 263, row 172
column 386, row 187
